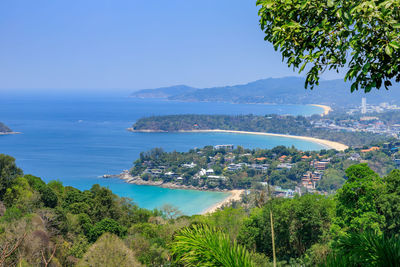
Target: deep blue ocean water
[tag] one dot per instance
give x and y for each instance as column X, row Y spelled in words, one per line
column 78, row 139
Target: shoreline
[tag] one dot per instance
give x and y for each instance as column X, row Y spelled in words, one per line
column 326, row 108
column 8, row 133
column 129, row 179
column 330, row 144
column 235, row 195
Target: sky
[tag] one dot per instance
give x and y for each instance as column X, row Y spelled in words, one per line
column 133, row 44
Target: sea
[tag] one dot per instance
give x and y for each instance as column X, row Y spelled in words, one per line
column 77, row 139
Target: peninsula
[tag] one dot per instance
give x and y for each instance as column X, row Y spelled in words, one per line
column 300, row 127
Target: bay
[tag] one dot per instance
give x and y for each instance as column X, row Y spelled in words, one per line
column 77, row 139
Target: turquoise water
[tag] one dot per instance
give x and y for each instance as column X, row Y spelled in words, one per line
column 76, row 140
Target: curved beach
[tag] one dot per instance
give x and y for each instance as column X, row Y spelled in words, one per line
column 235, row 195
column 330, row 144
column 326, row 108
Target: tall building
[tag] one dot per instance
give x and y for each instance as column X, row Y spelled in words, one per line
column 364, row 105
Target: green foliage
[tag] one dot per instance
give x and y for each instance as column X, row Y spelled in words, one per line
column 85, row 222
column 230, row 219
column 79, row 246
column 389, row 201
column 332, row 180
column 201, row 245
column 11, row 214
column 21, row 195
column 106, row 225
column 51, row 214
column 109, row 250
column 8, row 171
column 362, row 35
column 35, row 182
column 357, row 200
column 365, row 249
column 299, row 223
column 48, row 197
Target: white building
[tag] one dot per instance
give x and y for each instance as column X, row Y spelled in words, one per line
column 364, row 105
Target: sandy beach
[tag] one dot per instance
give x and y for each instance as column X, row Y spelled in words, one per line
column 327, row 109
column 235, row 195
column 330, row 144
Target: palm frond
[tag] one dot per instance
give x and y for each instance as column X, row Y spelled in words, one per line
column 201, row 245
column 366, row 249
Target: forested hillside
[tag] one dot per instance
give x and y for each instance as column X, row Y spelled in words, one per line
column 48, row 224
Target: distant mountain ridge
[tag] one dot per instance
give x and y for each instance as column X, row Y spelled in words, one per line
column 164, row 92
column 287, row 90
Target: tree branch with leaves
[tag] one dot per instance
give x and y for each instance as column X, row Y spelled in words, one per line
column 362, row 36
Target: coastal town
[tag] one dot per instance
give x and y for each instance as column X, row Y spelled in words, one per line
column 377, row 119
column 288, row 171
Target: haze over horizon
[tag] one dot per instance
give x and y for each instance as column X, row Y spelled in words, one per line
column 133, row 45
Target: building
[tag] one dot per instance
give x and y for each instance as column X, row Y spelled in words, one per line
column 282, row 158
column 319, row 165
column 191, row 165
column 305, row 157
column 306, row 181
column 209, row 172
column 216, row 178
column 226, row 147
column 284, row 166
column 364, row 105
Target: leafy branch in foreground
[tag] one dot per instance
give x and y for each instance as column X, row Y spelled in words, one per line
column 326, row 34
column 201, row 245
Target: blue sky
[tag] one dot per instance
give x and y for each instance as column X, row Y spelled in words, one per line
column 104, row 44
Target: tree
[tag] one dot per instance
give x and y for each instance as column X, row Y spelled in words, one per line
column 106, row 225
column 298, row 224
column 21, row 195
column 109, row 250
column 363, row 36
column 332, row 180
column 48, row 197
column 357, row 200
column 170, row 212
column 8, row 171
column 389, row 203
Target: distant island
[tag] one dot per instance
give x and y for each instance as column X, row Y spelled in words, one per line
column 290, row 126
column 4, row 129
column 288, row 90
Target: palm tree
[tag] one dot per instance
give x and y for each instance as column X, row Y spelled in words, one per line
column 366, row 249
column 201, row 245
